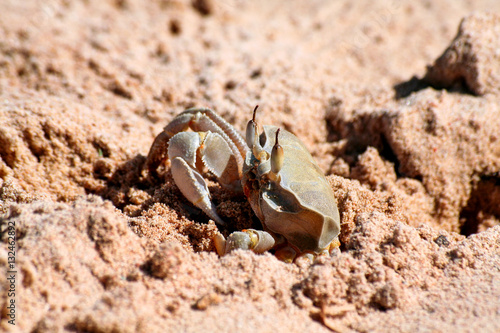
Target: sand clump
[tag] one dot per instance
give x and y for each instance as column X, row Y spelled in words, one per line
column 472, row 58
column 451, row 148
column 102, row 246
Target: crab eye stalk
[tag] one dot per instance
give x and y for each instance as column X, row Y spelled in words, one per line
column 252, row 130
column 277, row 156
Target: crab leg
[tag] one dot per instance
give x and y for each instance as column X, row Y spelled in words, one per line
column 198, row 120
column 258, row 241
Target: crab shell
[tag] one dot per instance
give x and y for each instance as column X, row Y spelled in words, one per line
column 300, row 205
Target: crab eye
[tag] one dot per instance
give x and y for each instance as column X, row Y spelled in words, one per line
column 277, row 156
column 252, row 129
column 250, row 134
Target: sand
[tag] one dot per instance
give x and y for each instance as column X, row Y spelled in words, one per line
column 398, row 102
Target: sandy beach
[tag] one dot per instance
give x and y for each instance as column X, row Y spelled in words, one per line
column 397, row 101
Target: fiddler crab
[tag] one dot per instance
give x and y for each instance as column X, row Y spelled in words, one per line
column 284, row 185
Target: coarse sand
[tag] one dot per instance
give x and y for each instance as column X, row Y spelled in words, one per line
column 398, row 102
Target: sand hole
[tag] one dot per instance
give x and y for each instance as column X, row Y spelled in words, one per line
column 483, row 208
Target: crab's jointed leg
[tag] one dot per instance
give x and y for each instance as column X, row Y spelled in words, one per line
column 198, row 120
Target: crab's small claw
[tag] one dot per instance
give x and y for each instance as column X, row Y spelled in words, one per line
column 250, row 239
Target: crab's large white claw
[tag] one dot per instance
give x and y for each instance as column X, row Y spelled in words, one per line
column 193, row 187
column 213, row 144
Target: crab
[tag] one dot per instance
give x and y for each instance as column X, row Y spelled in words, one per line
column 285, row 187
